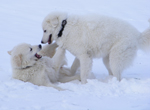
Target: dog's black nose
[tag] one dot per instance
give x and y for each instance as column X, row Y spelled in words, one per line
column 40, row 46
column 42, row 42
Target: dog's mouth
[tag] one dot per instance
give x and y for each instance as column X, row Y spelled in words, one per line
column 49, row 40
column 38, row 56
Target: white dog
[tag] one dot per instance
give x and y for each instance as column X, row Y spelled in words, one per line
column 87, row 37
column 29, row 66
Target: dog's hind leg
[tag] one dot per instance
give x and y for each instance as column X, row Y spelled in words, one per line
column 107, row 65
column 75, row 66
column 86, row 66
column 121, row 58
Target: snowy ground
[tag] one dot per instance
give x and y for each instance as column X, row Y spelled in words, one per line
column 20, row 21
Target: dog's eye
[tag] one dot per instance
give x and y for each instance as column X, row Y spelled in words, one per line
column 44, row 30
column 30, row 49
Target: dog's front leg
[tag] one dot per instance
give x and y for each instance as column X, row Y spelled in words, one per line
column 85, row 67
column 58, row 58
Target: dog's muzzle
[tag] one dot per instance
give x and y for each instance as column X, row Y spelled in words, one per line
column 38, row 56
column 40, row 46
column 49, row 40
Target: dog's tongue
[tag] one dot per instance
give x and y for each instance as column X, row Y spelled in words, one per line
column 38, row 56
column 48, row 42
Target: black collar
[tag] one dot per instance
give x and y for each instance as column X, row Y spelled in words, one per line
column 63, row 24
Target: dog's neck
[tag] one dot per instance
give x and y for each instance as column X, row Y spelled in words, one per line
column 63, row 24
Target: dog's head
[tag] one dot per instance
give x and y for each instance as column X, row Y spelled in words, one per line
column 24, row 55
column 51, row 26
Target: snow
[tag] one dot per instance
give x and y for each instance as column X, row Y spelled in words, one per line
column 20, row 21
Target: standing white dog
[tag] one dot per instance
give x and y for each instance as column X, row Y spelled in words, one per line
column 87, row 37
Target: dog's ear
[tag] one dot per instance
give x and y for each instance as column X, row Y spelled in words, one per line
column 9, row 52
column 54, row 22
column 48, row 21
column 17, row 60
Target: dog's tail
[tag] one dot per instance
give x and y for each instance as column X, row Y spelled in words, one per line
column 145, row 39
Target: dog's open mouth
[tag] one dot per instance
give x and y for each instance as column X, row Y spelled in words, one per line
column 38, row 56
column 49, row 40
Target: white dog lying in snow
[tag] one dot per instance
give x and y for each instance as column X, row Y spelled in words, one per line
column 88, row 37
column 29, row 66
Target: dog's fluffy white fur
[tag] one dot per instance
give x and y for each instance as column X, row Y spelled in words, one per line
column 28, row 65
column 94, row 36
